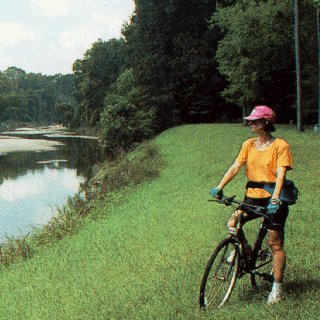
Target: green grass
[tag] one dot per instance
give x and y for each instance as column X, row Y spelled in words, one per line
column 145, row 257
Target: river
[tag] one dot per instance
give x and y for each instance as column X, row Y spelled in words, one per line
column 38, row 175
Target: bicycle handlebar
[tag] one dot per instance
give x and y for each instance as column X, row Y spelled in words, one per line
column 228, row 201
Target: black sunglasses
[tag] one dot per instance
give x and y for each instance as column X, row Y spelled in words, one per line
column 254, row 121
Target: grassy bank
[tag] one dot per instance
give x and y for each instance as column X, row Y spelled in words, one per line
column 144, row 257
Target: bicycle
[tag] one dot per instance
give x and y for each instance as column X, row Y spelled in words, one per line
column 230, row 262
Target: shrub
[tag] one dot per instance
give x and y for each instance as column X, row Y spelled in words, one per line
column 144, row 163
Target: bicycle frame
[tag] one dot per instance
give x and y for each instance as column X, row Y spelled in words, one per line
column 260, row 237
column 248, row 268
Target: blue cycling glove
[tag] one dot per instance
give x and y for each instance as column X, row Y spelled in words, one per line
column 216, row 193
column 273, row 206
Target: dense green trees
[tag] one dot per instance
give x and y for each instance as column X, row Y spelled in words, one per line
column 174, row 53
column 95, row 73
column 125, row 120
column 29, row 97
column 256, row 54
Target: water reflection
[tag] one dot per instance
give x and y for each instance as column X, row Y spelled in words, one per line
column 34, row 184
column 31, row 199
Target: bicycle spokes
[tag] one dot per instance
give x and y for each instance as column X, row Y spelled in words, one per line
column 220, row 275
column 262, row 272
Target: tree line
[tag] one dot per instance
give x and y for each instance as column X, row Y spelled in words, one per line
column 183, row 62
column 34, row 98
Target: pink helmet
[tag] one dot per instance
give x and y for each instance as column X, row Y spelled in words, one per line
column 262, row 112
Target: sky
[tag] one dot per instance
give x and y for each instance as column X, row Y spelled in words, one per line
column 47, row 36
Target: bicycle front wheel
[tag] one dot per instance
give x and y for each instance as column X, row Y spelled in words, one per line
column 220, row 275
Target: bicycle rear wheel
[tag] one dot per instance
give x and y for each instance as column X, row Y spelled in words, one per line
column 262, row 275
column 220, row 275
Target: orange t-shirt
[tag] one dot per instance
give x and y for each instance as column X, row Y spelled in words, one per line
column 262, row 165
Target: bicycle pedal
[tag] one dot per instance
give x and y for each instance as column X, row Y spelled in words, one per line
column 263, row 255
column 242, row 271
column 268, row 277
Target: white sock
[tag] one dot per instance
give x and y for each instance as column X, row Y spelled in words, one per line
column 277, row 286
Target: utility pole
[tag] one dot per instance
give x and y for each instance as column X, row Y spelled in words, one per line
column 298, row 66
column 318, row 31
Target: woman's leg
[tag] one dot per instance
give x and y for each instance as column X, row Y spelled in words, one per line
column 235, row 219
column 276, row 241
column 235, row 224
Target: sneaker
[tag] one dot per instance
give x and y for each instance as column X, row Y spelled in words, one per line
column 274, row 297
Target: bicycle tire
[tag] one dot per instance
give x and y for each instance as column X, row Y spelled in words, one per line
column 262, row 275
column 220, row 275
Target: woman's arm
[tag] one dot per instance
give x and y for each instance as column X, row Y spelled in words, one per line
column 229, row 175
column 281, row 175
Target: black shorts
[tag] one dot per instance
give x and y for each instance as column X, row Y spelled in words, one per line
column 277, row 221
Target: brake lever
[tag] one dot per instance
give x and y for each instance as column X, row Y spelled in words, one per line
column 224, row 200
column 227, row 200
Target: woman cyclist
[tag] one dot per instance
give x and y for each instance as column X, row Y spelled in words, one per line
column 266, row 159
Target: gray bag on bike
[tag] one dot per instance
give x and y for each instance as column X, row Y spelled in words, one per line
column 289, row 193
